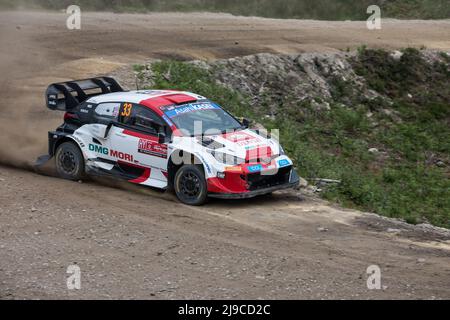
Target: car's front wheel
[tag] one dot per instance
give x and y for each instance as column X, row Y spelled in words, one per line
column 190, row 185
column 69, row 161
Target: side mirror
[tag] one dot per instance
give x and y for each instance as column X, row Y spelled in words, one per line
column 161, row 138
column 108, row 128
column 245, row 122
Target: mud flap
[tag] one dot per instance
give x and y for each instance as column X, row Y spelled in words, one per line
column 42, row 160
column 43, row 165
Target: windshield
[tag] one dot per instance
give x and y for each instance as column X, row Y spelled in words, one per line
column 200, row 118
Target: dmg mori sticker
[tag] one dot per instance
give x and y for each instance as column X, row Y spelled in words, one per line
column 112, row 153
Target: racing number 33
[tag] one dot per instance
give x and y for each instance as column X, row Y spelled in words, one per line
column 126, row 109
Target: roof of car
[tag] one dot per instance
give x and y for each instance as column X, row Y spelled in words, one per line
column 150, row 98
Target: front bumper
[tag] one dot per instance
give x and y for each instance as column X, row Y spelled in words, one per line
column 293, row 182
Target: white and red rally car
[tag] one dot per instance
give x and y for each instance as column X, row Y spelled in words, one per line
column 163, row 139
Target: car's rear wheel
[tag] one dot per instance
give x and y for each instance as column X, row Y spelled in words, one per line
column 69, row 161
column 190, row 185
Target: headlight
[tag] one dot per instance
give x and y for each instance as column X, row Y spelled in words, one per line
column 227, row 158
column 275, row 143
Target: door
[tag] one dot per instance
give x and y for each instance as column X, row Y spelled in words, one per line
column 134, row 145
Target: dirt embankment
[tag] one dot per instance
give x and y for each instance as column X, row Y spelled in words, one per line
column 144, row 244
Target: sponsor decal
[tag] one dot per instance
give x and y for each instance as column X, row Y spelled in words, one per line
column 205, row 163
column 166, row 118
column 126, row 109
column 153, row 92
column 78, row 140
column 112, row 153
column 242, row 139
column 283, row 163
column 152, row 148
column 98, row 149
column 255, row 168
column 233, row 169
column 238, row 136
column 52, row 99
column 173, row 111
column 121, row 155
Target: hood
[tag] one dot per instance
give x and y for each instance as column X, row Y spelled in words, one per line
column 246, row 144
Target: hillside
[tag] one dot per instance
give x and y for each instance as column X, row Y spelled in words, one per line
column 377, row 121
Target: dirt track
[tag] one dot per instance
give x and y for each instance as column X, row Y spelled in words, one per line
column 137, row 243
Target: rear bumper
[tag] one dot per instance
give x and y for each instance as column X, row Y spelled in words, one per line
column 293, row 182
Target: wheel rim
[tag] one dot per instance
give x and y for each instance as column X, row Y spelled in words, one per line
column 190, row 186
column 67, row 161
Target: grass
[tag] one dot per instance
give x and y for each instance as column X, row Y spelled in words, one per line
column 402, row 180
column 300, row 9
column 184, row 76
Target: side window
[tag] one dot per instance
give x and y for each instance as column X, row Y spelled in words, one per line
column 107, row 111
column 140, row 117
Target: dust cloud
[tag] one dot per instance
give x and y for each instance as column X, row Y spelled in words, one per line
column 27, row 67
column 22, row 124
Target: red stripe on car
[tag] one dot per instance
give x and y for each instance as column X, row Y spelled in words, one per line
column 167, row 100
column 143, row 177
column 140, row 135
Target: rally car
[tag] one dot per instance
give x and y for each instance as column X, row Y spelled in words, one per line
column 163, row 139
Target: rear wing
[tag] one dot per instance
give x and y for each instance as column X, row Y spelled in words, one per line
column 65, row 96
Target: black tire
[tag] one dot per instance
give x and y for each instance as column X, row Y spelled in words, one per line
column 69, row 161
column 190, row 185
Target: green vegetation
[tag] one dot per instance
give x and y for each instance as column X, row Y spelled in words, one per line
column 184, row 76
column 403, row 178
column 301, row 9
